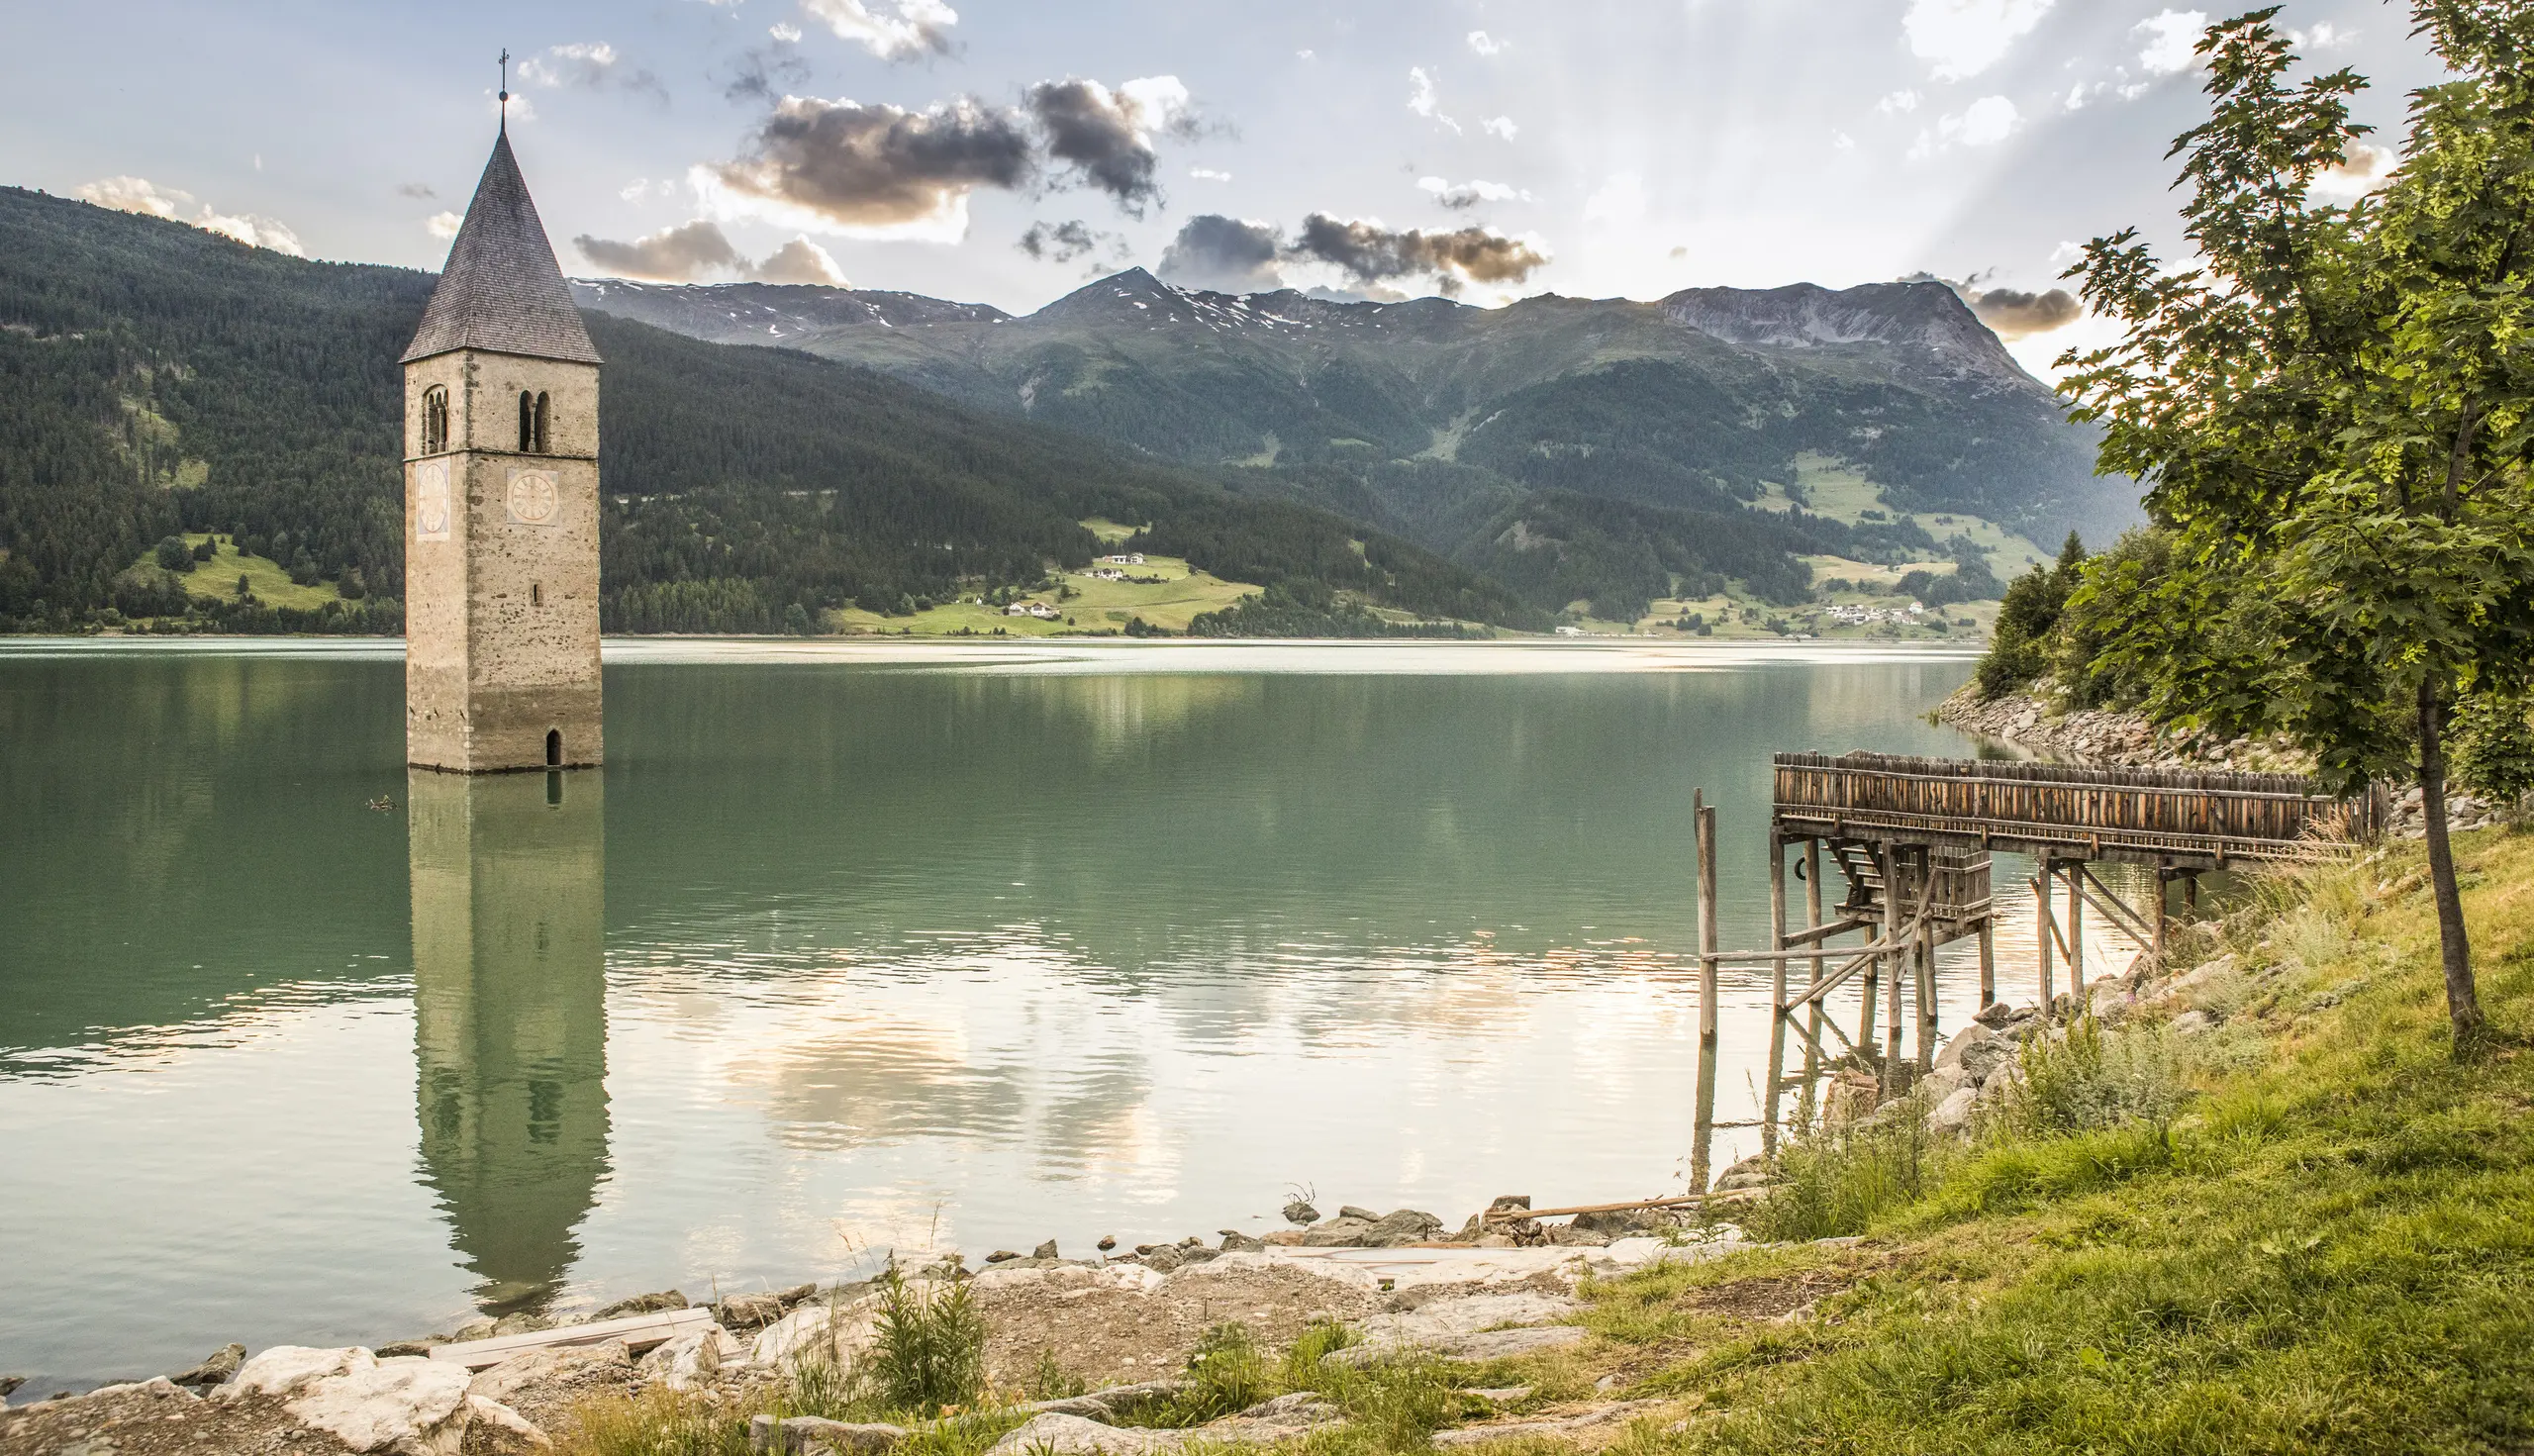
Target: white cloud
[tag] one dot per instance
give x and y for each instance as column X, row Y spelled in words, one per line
column 2066, row 252
column 906, row 30
column 1306, row 56
column 785, row 32
column 1421, row 98
column 638, row 189
column 1844, row 142
column 2362, row 170
column 1983, row 123
column 1963, row 37
column 1208, row 174
column 1470, row 193
column 442, row 225
column 1500, row 127
column 1898, row 103
column 1622, row 199
column 581, row 63
column 2324, row 37
column 802, row 262
column 2171, row 37
column 1155, row 102
column 520, row 109
column 140, row 195
column 1487, row 44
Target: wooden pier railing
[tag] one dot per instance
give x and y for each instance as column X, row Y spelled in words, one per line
column 2058, row 809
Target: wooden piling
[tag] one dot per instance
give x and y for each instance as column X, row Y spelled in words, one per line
column 1988, row 959
column 1704, row 1131
column 1813, row 1013
column 2044, row 930
column 1777, row 996
column 1899, row 956
column 2075, row 938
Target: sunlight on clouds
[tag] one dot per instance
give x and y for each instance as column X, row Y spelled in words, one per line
column 140, row 195
column 1963, row 37
column 2171, row 37
column 785, row 32
column 1487, row 44
column 2363, row 169
column 442, row 225
column 1500, row 127
column 909, row 29
column 1898, row 103
column 1208, row 174
column 1983, row 123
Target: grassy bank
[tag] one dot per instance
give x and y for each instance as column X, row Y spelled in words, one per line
column 2328, row 1249
column 2290, row 1223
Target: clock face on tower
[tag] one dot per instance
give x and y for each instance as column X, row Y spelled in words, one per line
column 431, row 501
column 531, row 497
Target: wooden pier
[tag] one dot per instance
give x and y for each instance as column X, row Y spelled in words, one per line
column 1912, row 838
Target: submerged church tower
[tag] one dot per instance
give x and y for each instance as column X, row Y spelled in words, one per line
column 501, row 502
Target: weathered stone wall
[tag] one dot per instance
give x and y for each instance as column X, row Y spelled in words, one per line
column 502, row 616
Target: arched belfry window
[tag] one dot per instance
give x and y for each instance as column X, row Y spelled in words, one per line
column 436, row 420
column 534, row 410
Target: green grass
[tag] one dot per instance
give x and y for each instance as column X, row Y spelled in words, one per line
column 2327, row 1249
column 216, row 578
column 1831, row 488
column 1097, row 605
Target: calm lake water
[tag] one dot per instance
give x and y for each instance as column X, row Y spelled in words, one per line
column 849, row 948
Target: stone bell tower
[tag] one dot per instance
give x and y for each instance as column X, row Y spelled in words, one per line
column 501, row 502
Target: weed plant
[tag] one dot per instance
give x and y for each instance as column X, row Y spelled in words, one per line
column 929, row 1348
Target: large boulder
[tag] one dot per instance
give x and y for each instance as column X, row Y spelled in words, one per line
column 1402, row 1227
column 541, row 1385
column 691, row 1359
column 1953, row 1115
column 1050, row 1435
column 408, row 1407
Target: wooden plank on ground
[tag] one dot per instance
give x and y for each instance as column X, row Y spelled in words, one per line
column 639, row 1331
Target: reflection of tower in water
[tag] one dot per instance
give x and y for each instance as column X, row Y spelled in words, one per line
column 510, row 1014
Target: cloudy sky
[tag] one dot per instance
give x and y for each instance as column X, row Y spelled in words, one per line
column 1003, row 151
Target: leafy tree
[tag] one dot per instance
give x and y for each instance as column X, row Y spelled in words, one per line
column 2019, row 649
column 2334, row 410
column 173, row 554
column 2494, row 745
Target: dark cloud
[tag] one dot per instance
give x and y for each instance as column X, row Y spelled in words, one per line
column 765, row 73
column 680, row 254
column 2014, row 313
column 692, row 252
column 880, row 166
column 1371, row 253
column 1106, row 137
column 1062, row 242
column 414, row 189
column 1228, row 254
column 2009, row 312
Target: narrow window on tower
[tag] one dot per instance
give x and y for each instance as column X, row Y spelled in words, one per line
column 542, row 446
column 527, row 422
column 536, row 593
column 436, row 420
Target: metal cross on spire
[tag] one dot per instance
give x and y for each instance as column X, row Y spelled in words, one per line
column 506, row 90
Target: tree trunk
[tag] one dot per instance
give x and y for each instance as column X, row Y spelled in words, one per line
column 2463, row 1002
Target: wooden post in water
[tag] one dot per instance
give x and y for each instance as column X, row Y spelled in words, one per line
column 1874, row 963
column 2075, row 938
column 2164, row 887
column 1812, row 1011
column 1900, row 958
column 1777, row 993
column 1705, row 1132
column 1926, row 988
column 2045, row 931
column 1989, row 956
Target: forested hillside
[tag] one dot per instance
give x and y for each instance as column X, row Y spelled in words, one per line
column 156, row 378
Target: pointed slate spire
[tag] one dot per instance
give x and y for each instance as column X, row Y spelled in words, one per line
column 502, row 289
